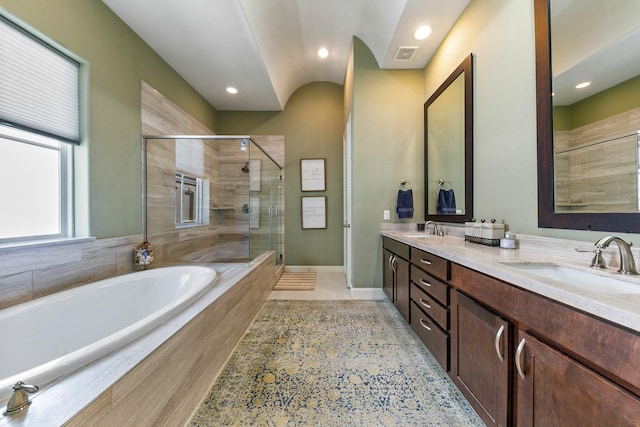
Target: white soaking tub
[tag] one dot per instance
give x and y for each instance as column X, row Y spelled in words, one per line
column 49, row 337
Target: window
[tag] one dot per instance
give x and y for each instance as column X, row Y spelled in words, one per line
column 191, row 201
column 39, row 123
column 35, row 172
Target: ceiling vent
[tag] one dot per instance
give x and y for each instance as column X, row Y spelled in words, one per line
column 406, row 53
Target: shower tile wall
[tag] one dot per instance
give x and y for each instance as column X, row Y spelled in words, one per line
column 603, row 177
column 227, row 236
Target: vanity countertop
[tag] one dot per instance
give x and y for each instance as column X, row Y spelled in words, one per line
column 621, row 308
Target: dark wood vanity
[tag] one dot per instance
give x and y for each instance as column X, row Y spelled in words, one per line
column 518, row 357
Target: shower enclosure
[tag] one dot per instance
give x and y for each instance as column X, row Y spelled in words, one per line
column 211, row 199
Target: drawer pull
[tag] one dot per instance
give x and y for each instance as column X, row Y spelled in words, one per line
column 424, row 325
column 423, row 302
column 519, row 358
column 424, row 282
column 497, row 342
column 425, row 261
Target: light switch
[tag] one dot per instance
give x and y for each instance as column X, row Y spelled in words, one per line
column 387, row 214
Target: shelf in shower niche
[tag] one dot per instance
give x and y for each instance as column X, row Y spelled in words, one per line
column 221, row 208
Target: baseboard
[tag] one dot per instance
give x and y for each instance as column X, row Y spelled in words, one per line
column 368, row 293
column 306, row 268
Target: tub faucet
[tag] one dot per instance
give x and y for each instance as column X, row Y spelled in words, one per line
column 19, row 399
column 627, row 263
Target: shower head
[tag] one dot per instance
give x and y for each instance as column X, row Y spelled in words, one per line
column 245, row 168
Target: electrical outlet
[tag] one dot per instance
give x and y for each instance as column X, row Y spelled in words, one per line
column 386, row 214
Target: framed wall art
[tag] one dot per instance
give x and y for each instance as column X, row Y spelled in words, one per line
column 312, row 174
column 314, row 212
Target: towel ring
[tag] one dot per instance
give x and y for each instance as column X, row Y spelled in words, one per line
column 443, row 182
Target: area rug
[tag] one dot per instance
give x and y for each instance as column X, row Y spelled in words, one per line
column 290, row 281
column 332, row 363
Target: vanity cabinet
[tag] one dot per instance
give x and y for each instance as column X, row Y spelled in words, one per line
column 430, row 303
column 555, row 390
column 396, row 274
column 563, row 367
column 480, row 358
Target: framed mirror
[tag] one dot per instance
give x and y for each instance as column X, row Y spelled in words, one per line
column 448, row 148
column 588, row 140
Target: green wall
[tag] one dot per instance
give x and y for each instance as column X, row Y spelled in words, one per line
column 500, row 34
column 388, row 146
column 615, row 100
column 109, row 160
column 312, row 124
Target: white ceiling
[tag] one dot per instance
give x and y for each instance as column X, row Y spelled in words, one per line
column 267, row 48
column 593, row 44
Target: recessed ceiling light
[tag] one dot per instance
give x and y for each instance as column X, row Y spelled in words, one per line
column 582, row 85
column 232, row 90
column 323, row 52
column 422, row 32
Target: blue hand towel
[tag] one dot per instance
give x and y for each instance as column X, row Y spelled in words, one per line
column 404, row 204
column 446, row 202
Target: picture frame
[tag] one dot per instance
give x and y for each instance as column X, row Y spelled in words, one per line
column 312, row 174
column 314, row 212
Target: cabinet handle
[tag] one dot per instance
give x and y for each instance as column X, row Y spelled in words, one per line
column 497, row 342
column 425, row 282
column 423, row 302
column 519, row 358
column 425, row 261
column 424, row 325
column 389, row 262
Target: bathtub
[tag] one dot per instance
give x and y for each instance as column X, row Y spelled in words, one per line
column 49, row 337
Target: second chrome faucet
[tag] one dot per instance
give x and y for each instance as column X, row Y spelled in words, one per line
column 627, row 263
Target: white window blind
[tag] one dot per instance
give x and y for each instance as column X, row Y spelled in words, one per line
column 38, row 86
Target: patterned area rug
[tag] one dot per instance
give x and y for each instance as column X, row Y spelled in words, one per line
column 296, row 282
column 332, row 363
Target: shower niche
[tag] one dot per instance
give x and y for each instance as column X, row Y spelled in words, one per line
column 213, row 199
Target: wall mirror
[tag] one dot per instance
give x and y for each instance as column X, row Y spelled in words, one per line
column 448, row 147
column 588, row 137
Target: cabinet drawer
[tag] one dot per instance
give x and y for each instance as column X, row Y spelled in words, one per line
column 396, row 247
column 434, row 265
column 431, row 285
column 431, row 335
column 430, row 306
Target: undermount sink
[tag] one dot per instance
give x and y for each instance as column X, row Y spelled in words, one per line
column 419, row 235
column 577, row 278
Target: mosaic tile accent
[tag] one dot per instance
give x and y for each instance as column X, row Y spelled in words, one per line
column 330, row 363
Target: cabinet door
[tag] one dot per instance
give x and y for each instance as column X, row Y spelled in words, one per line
column 480, row 359
column 401, row 268
column 558, row 391
column 387, row 277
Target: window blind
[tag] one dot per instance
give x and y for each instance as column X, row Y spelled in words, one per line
column 38, row 86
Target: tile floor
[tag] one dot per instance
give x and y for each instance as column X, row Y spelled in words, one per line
column 330, row 285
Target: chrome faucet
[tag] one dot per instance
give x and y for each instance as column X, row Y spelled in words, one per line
column 435, row 230
column 19, row 399
column 627, row 263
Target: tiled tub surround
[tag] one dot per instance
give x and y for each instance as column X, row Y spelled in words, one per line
column 622, row 309
column 161, row 377
column 37, row 269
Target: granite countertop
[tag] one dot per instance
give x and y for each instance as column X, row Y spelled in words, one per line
column 622, row 308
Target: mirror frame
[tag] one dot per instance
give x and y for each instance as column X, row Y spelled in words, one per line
column 547, row 216
column 467, row 67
